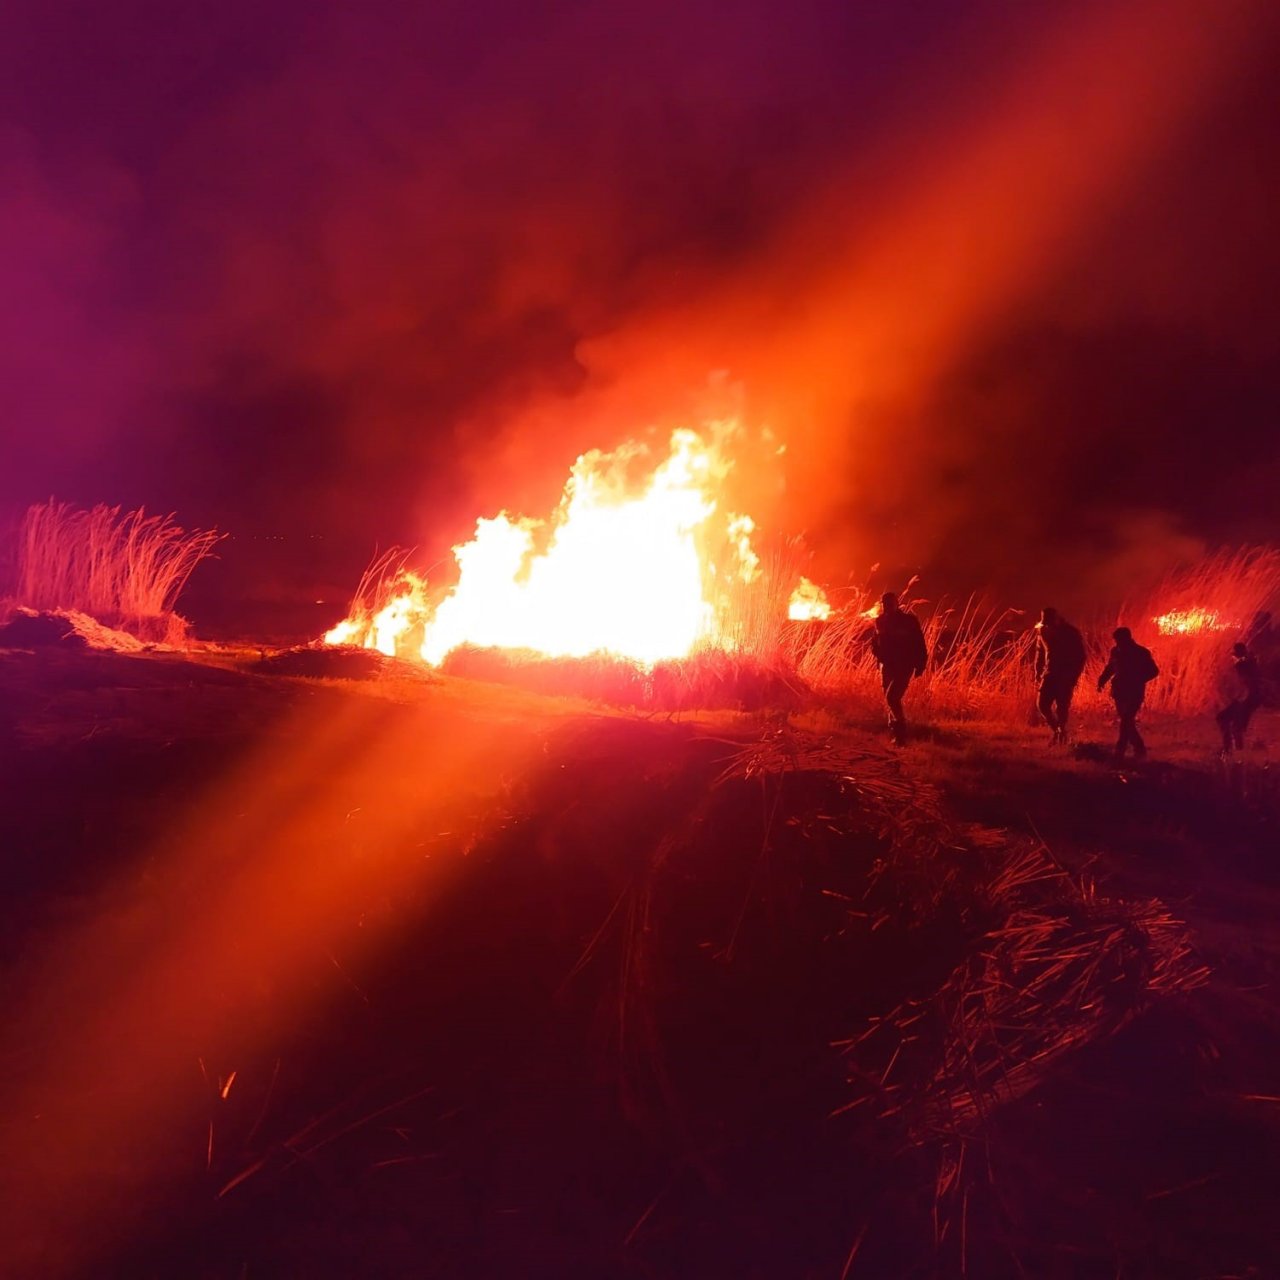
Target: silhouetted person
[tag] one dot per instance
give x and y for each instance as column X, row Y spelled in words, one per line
column 1059, row 663
column 1130, row 669
column 1234, row 718
column 898, row 644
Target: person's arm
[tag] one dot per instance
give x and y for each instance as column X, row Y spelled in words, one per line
column 1042, row 654
column 1107, row 672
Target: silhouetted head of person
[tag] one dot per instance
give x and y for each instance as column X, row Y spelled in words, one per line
column 1240, row 650
column 1123, row 635
column 889, row 602
column 1049, row 617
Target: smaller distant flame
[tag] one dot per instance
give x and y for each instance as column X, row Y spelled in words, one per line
column 808, row 603
column 1185, row 622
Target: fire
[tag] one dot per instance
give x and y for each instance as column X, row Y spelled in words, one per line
column 384, row 629
column 1183, row 622
column 808, row 603
column 643, row 568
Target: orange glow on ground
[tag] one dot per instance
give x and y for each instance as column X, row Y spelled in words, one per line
column 345, row 804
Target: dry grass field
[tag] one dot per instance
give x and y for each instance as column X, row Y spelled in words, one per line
column 405, row 974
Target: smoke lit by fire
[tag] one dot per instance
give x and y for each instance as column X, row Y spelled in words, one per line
column 639, row 561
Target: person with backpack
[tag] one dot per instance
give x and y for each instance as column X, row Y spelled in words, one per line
column 898, row 644
column 1060, row 659
column 1129, row 669
column 1233, row 719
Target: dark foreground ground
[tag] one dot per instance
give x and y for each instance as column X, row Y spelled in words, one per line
column 413, row 977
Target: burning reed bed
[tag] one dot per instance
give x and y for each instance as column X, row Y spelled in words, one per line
column 981, row 654
column 124, row 571
column 1191, row 620
column 981, row 659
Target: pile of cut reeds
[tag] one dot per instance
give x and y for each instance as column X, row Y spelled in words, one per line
column 1064, row 967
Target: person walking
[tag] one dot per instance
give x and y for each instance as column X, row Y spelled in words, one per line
column 1129, row 669
column 1233, row 719
column 898, row 644
column 1060, row 659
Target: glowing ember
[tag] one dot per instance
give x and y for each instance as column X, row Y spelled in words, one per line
column 808, row 603
column 644, row 569
column 1183, row 622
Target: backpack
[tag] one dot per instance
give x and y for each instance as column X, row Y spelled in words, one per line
column 1149, row 668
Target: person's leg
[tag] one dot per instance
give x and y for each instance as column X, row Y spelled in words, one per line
column 1225, row 717
column 895, row 687
column 1064, row 708
column 1126, row 709
column 1139, row 747
column 892, row 696
column 1240, row 724
column 1044, row 703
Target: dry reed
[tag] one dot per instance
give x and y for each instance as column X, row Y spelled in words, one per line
column 1220, row 596
column 124, row 570
column 980, row 656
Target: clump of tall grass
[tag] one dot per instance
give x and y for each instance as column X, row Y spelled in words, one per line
column 981, row 660
column 125, row 571
column 751, row 615
column 1193, row 617
column 980, row 655
column 708, row 680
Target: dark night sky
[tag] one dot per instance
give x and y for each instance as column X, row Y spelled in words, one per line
column 1001, row 275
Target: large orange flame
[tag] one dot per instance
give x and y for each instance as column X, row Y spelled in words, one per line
column 644, row 568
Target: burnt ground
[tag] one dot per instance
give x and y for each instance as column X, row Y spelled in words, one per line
column 412, row 976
